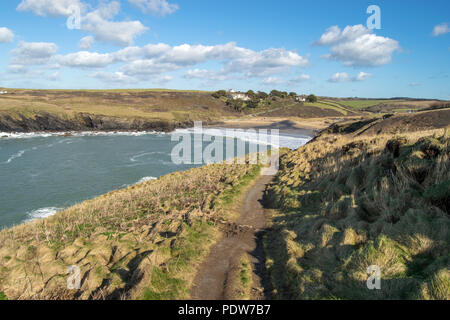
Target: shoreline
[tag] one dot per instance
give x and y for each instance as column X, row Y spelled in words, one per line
column 296, row 128
column 289, row 126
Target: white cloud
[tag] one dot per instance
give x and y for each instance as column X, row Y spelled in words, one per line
column 152, row 59
column 272, row 80
column 162, row 80
column 266, row 62
column 358, row 46
column 121, row 33
column 55, row 76
column 85, row 59
column 53, row 8
column 144, row 68
column 86, row 43
column 98, row 22
column 17, row 68
column 344, row 77
column 362, row 76
column 33, row 53
column 414, row 84
column 159, row 7
column 340, row 77
column 6, row 35
column 145, row 62
column 301, row 78
column 113, row 77
column 440, row 29
column 209, row 75
column 197, row 74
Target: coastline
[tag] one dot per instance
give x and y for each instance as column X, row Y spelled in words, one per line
column 286, row 126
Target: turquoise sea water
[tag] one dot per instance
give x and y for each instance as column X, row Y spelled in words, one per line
column 41, row 174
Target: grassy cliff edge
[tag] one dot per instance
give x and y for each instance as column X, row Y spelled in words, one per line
column 349, row 200
column 143, row 242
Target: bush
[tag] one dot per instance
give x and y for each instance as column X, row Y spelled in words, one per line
column 237, row 105
column 311, row 98
column 219, row 94
column 253, row 103
column 439, row 195
column 279, row 94
column 262, row 95
column 251, row 94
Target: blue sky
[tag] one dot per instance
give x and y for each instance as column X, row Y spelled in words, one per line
column 321, row 47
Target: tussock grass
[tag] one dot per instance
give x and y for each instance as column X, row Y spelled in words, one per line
column 344, row 202
column 143, row 242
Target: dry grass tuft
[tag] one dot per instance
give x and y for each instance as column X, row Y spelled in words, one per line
column 143, row 242
column 346, row 201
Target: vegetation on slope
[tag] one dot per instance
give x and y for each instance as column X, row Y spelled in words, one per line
column 143, row 242
column 345, row 202
column 63, row 110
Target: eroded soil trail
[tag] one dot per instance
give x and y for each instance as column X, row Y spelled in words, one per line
column 211, row 281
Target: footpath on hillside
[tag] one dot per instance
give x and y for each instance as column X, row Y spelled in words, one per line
column 212, row 281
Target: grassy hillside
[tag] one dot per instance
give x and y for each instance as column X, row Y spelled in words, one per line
column 143, row 242
column 146, row 104
column 382, row 105
column 164, row 110
column 351, row 199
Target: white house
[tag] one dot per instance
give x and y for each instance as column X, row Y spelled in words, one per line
column 301, row 98
column 238, row 95
column 3, row 92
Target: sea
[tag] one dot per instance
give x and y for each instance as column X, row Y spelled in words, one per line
column 43, row 173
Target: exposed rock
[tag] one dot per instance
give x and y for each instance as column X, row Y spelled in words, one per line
column 85, row 122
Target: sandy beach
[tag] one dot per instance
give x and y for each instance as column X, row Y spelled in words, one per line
column 292, row 126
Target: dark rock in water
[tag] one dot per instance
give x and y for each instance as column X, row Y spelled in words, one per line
column 5, row 136
column 67, row 134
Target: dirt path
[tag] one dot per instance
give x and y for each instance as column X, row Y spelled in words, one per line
column 211, row 281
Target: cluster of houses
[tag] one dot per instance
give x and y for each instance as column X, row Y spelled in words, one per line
column 301, row 98
column 3, row 92
column 236, row 95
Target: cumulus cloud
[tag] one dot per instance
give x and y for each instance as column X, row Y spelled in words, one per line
column 33, row 53
column 301, row 78
column 345, row 77
column 113, row 77
column 266, row 62
column 159, row 7
column 272, row 80
column 85, row 59
column 210, row 75
column 86, row 43
column 55, row 76
column 197, row 74
column 53, row 8
column 440, row 29
column 162, row 80
column 340, row 77
column 17, row 68
column 99, row 22
column 357, row 46
column 153, row 59
column 362, row 76
column 144, row 63
column 6, row 35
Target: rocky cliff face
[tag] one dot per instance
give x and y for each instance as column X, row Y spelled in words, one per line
column 85, row 122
